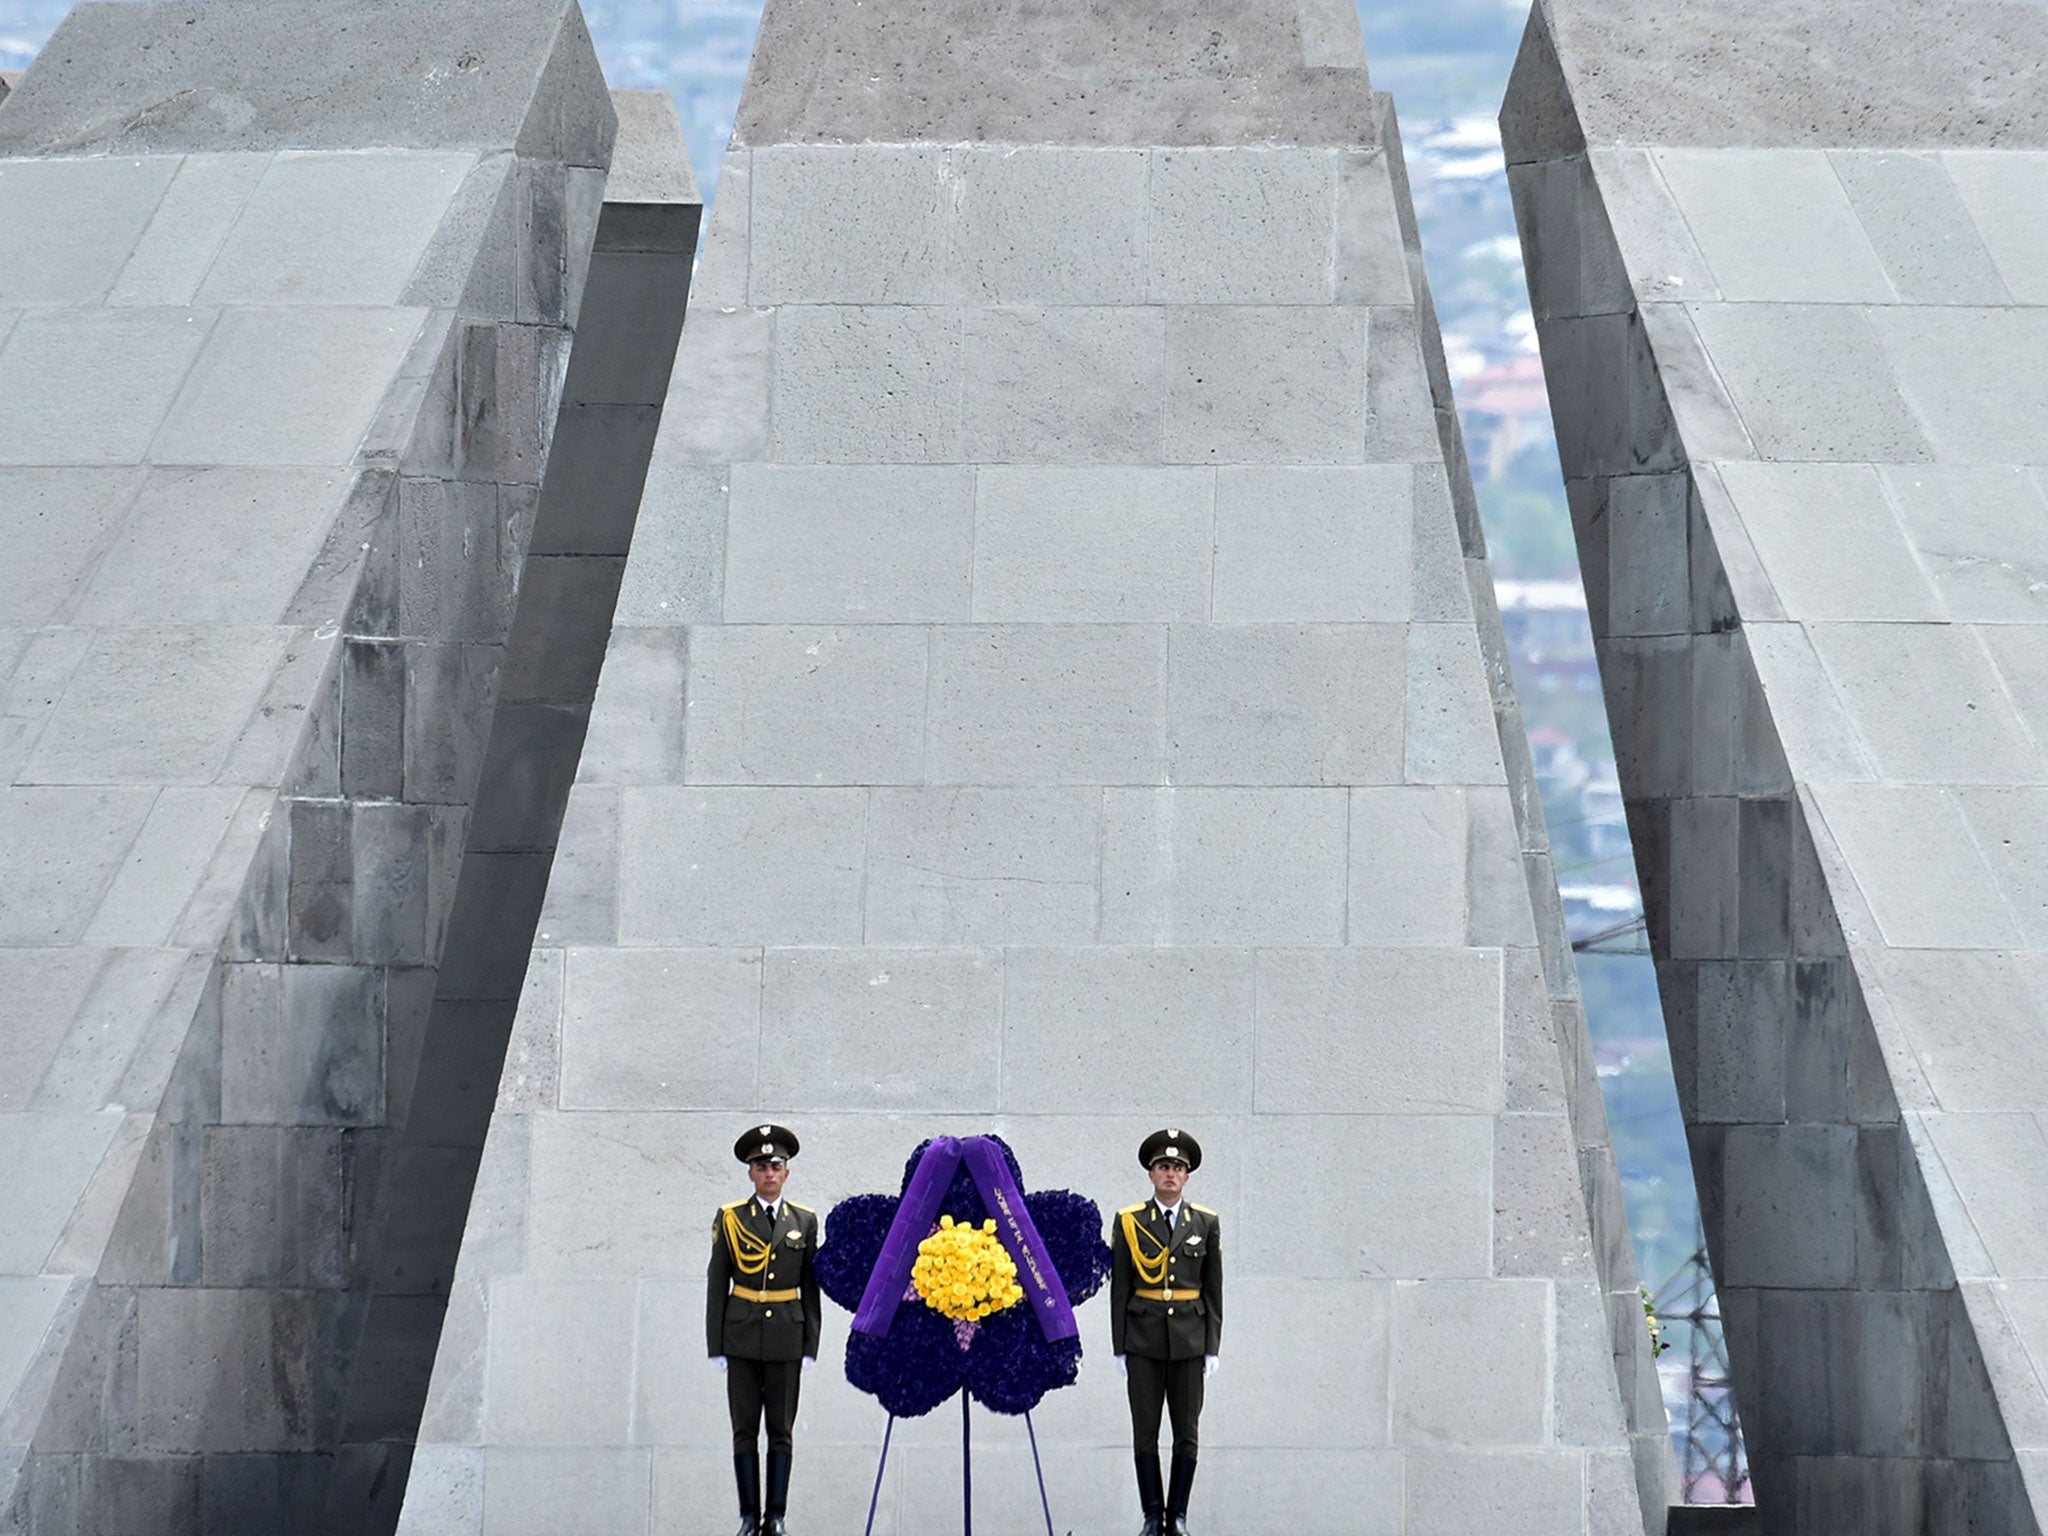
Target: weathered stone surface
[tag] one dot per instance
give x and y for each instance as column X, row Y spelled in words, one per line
column 1052, row 696
column 1824, row 726
column 295, row 395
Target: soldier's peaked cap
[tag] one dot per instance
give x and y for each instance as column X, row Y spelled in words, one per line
column 765, row 1141
column 1172, row 1142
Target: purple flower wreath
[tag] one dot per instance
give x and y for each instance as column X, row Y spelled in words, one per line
column 1004, row 1361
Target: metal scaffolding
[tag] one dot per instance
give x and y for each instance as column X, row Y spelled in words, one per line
column 1713, row 1468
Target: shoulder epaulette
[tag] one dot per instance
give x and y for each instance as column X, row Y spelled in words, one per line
column 1202, row 1208
column 1132, row 1210
column 795, row 1207
column 732, row 1205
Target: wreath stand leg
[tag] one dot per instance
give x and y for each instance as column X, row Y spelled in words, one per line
column 1039, row 1467
column 966, row 1470
column 876, row 1499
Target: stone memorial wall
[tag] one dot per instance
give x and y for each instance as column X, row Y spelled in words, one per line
column 1056, row 689
column 1789, row 265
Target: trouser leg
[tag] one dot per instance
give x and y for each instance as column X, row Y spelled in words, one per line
column 1183, row 1387
column 744, row 1399
column 1145, row 1383
column 784, row 1383
column 1184, row 1404
column 781, row 1385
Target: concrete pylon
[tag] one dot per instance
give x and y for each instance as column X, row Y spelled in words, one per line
column 1057, row 689
column 1787, row 268
column 286, row 298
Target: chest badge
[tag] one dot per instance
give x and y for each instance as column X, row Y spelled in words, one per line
column 796, row 1239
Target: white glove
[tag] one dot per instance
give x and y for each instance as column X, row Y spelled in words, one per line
column 719, row 1361
column 809, row 1362
column 1122, row 1367
column 1208, row 1366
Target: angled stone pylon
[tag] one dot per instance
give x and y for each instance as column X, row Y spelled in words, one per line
column 297, row 632
column 1787, row 268
column 1057, row 689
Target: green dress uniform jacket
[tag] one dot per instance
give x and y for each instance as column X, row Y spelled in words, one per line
column 1141, row 1320
column 737, row 1324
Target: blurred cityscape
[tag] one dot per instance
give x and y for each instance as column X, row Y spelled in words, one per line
column 1446, row 63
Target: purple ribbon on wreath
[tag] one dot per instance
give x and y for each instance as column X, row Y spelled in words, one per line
column 918, row 1213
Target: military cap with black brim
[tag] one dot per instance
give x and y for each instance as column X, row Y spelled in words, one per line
column 765, row 1141
column 1175, row 1144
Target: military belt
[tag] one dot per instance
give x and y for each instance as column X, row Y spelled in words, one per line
column 746, row 1295
column 1168, row 1293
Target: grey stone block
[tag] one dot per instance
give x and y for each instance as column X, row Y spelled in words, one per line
column 444, row 1494
column 281, row 386
column 1458, row 1490
column 547, row 97
column 982, row 866
column 1058, row 1056
column 1919, row 228
column 726, row 358
column 302, row 1045
column 866, row 544
column 545, row 1385
column 1371, row 264
column 1925, row 700
column 1063, row 385
column 1007, row 249
column 456, row 578
column 557, row 648
column 1812, row 523
column 582, row 905
column 1276, row 704
column 55, row 1155
column 1813, row 383
column 1417, row 1207
column 661, row 1029
column 162, row 706
column 1107, row 544
column 1404, row 416
column 1421, row 1031
column 636, row 720
column 275, row 1207
column 629, row 325
column 60, row 521
column 1790, row 236
column 373, row 213
column 214, row 546
column 1701, row 402
column 73, row 225
column 868, row 1029
column 677, row 573
column 186, row 231
column 1331, row 545
column 1023, row 704
column 448, row 694
column 93, row 386
column 849, row 224
column 1982, row 536
column 1451, row 737
column 1242, row 226
column 164, row 867
column 597, row 474
column 806, row 705
column 855, row 384
column 1223, row 866
column 1443, row 1331
column 741, row 865
column 1663, row 260
column 1240, row 382
column 2002, row 191
column 1975, row 1021
column 62, row 848
column 1966, row 375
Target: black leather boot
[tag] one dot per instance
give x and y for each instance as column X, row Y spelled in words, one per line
column 1151, row 1493
column 778, row 1493
column 1177, row 1498
column 746, row 1471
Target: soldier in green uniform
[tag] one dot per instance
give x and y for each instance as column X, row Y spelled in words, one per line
column 1166, row 1319
column 761, row 1319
